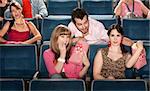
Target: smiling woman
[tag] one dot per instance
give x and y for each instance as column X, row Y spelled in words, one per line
column 111, row 62
column 18, row 30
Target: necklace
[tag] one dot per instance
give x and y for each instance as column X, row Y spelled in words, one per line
column 19, row 23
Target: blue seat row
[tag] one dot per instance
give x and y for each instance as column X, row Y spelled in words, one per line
column 93, row 7
column 130, row 73
column 20, row 61
column 133, row 28
column 73, row 85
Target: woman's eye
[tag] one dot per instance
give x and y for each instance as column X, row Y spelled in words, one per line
column 118, row 35
column 112, row 35
column 62, row 36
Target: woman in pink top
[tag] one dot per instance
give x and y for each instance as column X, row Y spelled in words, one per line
column 18, row 30
column 59, row 58
column 125, row 7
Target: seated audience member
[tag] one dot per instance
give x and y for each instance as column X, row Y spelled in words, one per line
column 18, row 30
column 3, row 6
column 31, row 9
column 91, row 30
column 111, row 62
column 62, row 60
column 125, row 9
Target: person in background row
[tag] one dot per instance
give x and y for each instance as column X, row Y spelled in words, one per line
column 62, row 60
column 93, row 31
column 111, row 62
column 3, row 6
column 125, row 9
column 18, row 30
column 32, row 9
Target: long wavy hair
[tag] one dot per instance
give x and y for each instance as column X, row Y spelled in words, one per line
column 60, row 30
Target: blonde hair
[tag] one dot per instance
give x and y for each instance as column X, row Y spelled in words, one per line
column 59, row 30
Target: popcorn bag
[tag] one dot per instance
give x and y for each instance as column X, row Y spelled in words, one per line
column 142, row 58
column 76, row 57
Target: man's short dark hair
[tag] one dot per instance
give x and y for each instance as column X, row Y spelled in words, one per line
column 78, row 13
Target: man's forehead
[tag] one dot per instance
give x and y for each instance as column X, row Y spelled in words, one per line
column 81, row 20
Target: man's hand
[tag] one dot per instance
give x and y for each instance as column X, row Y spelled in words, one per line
column 38, row 16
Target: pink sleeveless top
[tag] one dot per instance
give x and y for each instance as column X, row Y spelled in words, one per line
column 137, row 9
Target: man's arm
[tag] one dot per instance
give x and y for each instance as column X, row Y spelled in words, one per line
column 42, row 8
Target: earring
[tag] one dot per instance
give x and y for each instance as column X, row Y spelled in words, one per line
column 109, row 44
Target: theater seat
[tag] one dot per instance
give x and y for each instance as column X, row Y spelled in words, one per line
column 57, row 85
column 18, row 61
column 12, row 85
column 92, row 53
column 43, row 73
column 63, row 7
column 107, row 22
column 48, row 25
column 98, row 7
column 119, row 85
column 137, row 29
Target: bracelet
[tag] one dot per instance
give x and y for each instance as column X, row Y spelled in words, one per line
column 61, row 60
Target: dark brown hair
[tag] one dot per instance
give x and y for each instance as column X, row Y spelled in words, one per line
column 15, row 4
column 119, row 30
column 78, row 13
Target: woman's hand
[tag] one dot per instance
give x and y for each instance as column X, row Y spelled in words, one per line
column 139, row 45
column 62, row 48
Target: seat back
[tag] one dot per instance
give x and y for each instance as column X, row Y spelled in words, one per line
column 42, row 67
column 93, row 49
column 107, row 22
column 61, row 7
column 36, row 22
column 119, row 85
column 57, row 85
column 136, row 29
column 98, row 7
column 1, row 24
column 48, row 25
column 18, row 61
column 12, row 85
